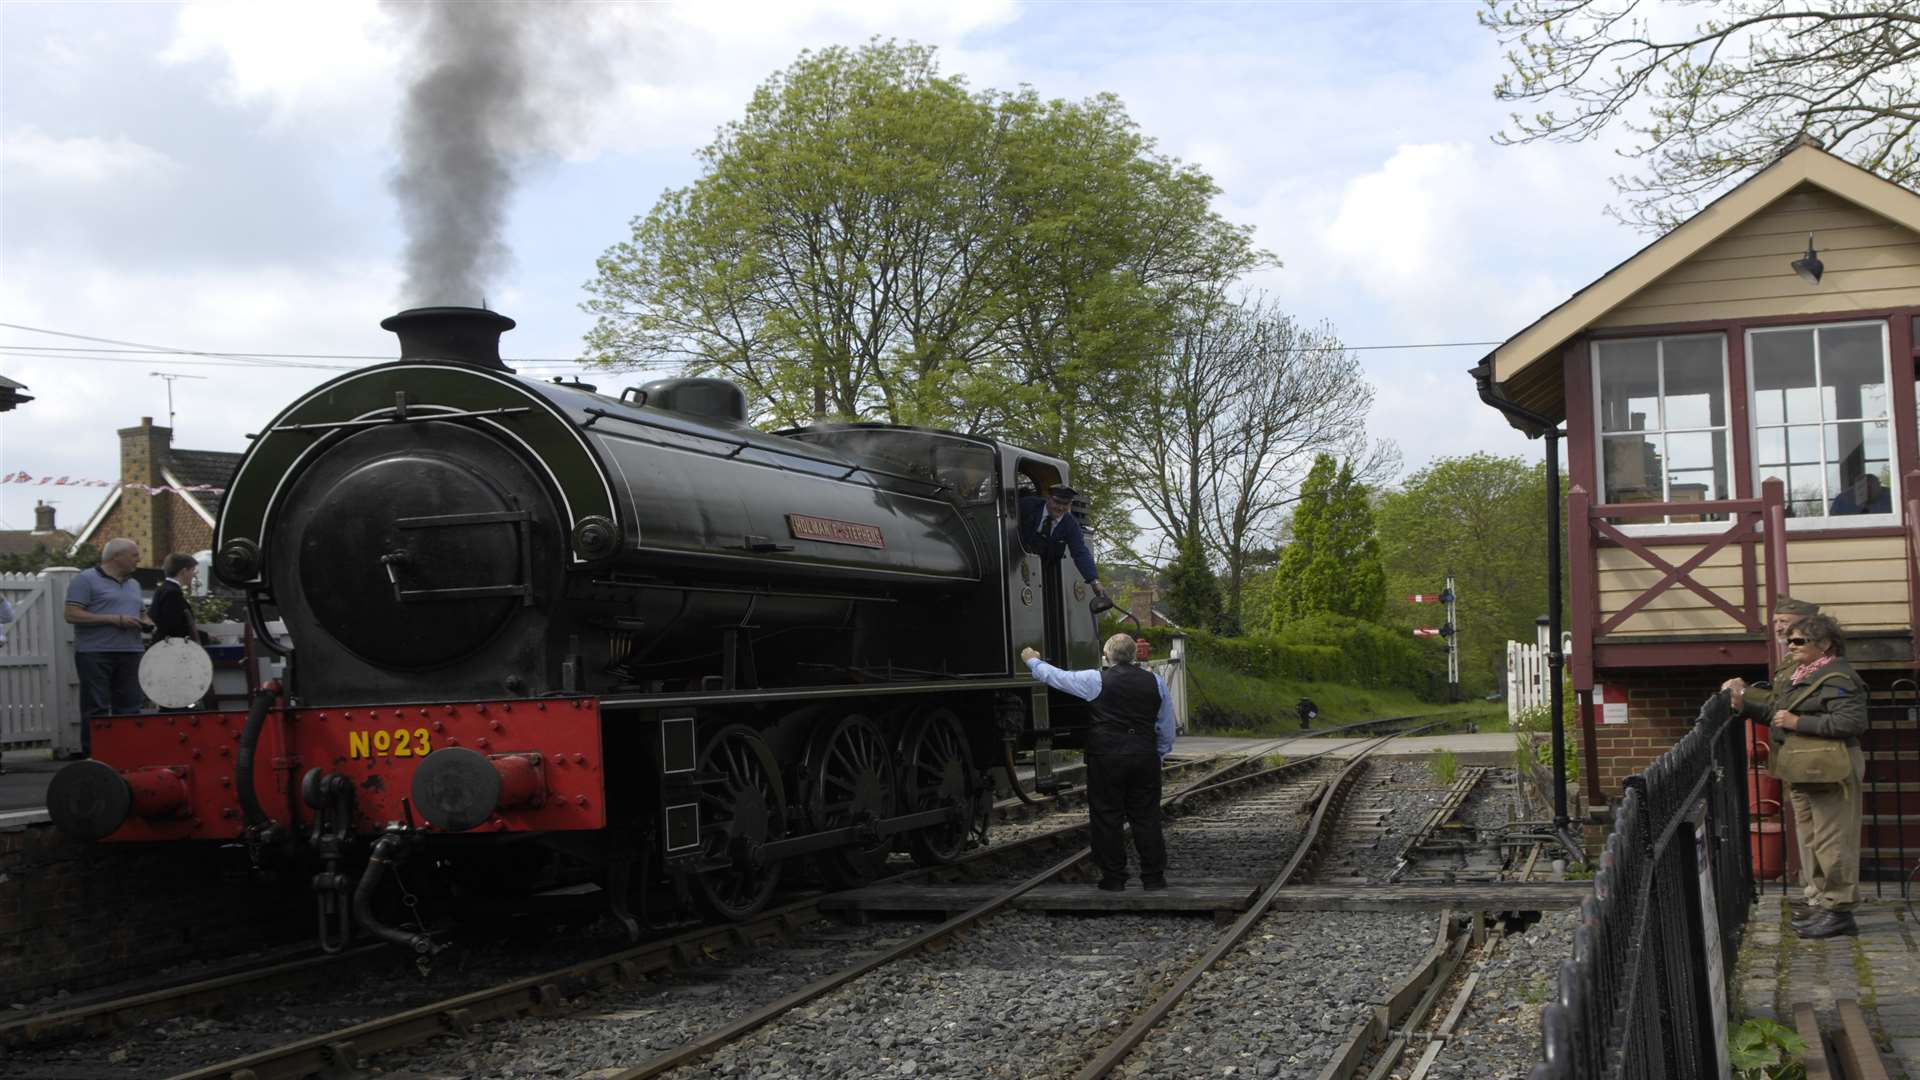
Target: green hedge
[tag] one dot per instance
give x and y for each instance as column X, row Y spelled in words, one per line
column 1319, row 648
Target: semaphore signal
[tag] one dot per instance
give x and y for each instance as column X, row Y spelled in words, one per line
column 1445, row 630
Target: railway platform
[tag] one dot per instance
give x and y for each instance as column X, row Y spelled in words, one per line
column 1879, row 969
column 1488, row 748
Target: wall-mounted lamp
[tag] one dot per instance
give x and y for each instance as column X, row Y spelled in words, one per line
column 1809, row 267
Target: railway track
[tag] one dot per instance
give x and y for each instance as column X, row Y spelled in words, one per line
column 541, row 993
column 26, row 1039
column 548, row 993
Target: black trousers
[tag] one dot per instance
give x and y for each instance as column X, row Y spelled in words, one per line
column 109, row 685
column 1124, row 789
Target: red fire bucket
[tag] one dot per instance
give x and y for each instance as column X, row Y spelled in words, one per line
column 1767, row 842
column 1761, row 787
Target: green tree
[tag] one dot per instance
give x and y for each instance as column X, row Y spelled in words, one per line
column 873, row 240
column 1482, row 518
column 1245, row 401
column 1708, row 104
column 41, row 557
column 1193, row 593
column 1333, row 563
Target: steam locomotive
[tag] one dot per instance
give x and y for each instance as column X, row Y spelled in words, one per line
column 551, row 635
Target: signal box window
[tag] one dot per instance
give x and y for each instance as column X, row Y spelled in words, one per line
column 1661, row 406
column 1820, row 419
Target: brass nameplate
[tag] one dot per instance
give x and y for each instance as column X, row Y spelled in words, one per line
column 830, row 531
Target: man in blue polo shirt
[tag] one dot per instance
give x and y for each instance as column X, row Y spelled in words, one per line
column 103, row 604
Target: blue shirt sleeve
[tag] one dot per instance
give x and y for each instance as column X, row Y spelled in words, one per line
column 81, row 591
column 1163, row 724
column 1077, row 544
column 1084, row 685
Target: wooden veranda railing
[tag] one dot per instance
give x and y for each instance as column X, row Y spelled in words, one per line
column 1760, row 521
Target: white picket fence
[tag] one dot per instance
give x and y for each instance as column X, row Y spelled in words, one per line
column 39, row 687
column 1528, row 675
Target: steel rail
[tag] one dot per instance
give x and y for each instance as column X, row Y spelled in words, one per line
column 706, row 1044
column 1308, row 848
column 1457, row 796
column 215, row 990
column 338, row 1050
column 212, row 990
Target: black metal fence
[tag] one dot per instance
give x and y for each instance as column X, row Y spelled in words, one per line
column 1645, row 994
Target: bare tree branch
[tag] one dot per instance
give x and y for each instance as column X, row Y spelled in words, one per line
column 1708, row 106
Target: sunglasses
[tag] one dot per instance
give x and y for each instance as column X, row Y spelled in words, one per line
column 1796, row 641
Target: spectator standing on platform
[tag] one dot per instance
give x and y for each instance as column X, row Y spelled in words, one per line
column 1824, row 698
column 103, row 604
column 1130, row 735
column 172, row 613
column 1048, row 528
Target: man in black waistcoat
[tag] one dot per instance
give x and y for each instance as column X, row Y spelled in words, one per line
column 1131, row 733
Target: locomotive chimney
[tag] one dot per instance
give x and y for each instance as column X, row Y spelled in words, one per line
column 468, row 335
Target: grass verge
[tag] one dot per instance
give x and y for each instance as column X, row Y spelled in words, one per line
column 1225, row 702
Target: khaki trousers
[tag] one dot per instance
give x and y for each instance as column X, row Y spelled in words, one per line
column 1826, row 829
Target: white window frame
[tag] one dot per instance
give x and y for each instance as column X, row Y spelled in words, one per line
column 1665, row 528
column 1825, row 521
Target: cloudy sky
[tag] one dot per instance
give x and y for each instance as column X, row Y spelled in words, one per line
column 214, row 177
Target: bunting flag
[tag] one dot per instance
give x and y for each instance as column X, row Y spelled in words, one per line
column 23, row 477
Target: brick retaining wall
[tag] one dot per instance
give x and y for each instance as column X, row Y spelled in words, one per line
column 1661, row 706
column 74, row 915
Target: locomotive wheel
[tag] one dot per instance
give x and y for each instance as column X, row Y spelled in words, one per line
column 850, row 779
column 937, row 768
column 743, row 808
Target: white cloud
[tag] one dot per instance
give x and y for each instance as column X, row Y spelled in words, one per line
column 677, row 71
column 31, row 155
column 298, row 60
column 78, row 403
column 1393, row 222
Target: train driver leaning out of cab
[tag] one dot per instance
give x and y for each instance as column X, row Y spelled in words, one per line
column 1131, row 733
column 1048, row 527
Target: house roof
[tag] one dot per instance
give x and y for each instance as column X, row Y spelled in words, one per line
column 182, row 469
column 10, row 394
column 214, row 468
column 23, row 541
column 1805, row 163
column 93, row 523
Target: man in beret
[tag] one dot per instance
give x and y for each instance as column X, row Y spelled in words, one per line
column 1049, row 529
column 1786, row 612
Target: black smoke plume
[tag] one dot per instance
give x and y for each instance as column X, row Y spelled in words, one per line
column 492, row 82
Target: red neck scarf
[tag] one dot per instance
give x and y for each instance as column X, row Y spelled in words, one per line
column 1800, row 673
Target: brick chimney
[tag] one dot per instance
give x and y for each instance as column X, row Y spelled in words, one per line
column 42, row 518
column 145, row 519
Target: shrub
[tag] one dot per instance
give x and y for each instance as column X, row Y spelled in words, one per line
column 1539, row 719
column 1318, row 648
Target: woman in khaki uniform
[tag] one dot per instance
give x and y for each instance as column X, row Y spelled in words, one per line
column 1825, row 699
